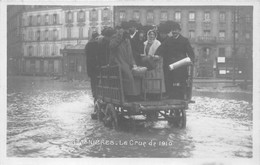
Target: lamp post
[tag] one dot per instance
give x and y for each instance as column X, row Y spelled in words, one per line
column 235, row 19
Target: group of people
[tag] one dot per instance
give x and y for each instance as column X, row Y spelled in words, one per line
column 130, row 45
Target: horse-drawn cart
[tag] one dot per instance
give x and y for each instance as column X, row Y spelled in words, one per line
column 111, row 105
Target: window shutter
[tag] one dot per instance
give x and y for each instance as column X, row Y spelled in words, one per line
column 50, row 34
column 78, row 16
column 51, row 19
column 35, row 51
column 57, row 19
column 42, row 35
column 57, row 34
column 51, row 48
column 66, row 17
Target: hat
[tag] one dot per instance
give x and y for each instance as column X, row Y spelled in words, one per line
column 132, row 23
column 163, row 28
column 168, row 26
column 125, row 25
column 176, row 26
column 108, row 31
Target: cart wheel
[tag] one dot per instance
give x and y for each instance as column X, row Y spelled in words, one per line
column 111, row 117
column 177, row 118
column 97, row 109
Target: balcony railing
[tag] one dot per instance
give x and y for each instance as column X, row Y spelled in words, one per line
column 207, row 39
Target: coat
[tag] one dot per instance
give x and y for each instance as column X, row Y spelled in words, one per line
column 121, row 55
column 103, row 51
column 137, row 48
column 157, row 73
column 91, row 50
column 173, row 50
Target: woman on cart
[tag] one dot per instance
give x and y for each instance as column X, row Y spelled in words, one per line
column 154, row 83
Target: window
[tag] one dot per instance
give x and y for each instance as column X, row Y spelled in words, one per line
column 207, row 16
column 206, row 33
column 206, row 52
column 69, row 17
column 164, row 16
column 68, row 32
column 248, row 35
column 38, row 35
column 47, row 50
column 30, row 35
column 94, row 15
column 38, row 20
column 150, row 17
column 192, row 16
column 42, row 35
column 72, row 66
column 248, row 18
column 30, row 20
column 46, row 34
column 81, row 32
column 55, row 19
column 55, row 34
column 46, row 19
column 222, row 34
column 177, row 16
column 191, row 34
column 136, row 15
column 23, row 36
column 55, row 49
column 52, row 50
column 222, row 52
column 30, row 50
column 236, row 35
column 236, row 17
column 39, row 50
column 105, row 14
column 81, row 16
column 122, row 15
column 222, row 17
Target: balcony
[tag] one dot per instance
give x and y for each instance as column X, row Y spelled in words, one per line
column 206, row 25
column 207, row 40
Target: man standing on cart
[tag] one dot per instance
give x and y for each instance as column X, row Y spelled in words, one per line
column 121, row 54
column 91, row 50
column 173, row 49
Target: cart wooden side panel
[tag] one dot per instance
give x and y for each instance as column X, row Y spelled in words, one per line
column 110, row 86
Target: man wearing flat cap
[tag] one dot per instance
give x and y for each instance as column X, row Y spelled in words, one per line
column 173, row 49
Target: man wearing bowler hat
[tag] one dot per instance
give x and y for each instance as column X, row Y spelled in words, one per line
column 173, row 49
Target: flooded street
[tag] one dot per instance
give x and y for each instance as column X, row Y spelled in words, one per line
column 50, row 118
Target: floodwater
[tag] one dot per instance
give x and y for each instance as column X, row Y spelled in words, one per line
column 50, row 118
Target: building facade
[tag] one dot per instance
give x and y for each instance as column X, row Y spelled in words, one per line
column 213, row 32
column 48, row 29
column 36, row 34
column 14, row 39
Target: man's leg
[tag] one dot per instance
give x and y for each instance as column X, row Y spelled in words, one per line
column 93, row 83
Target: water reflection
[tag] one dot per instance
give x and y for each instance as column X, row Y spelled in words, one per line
column 49, row 118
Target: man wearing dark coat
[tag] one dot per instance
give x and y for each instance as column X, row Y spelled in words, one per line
column 121, row 54
column 103, row 46
column 173, row 49
column 91, row 50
